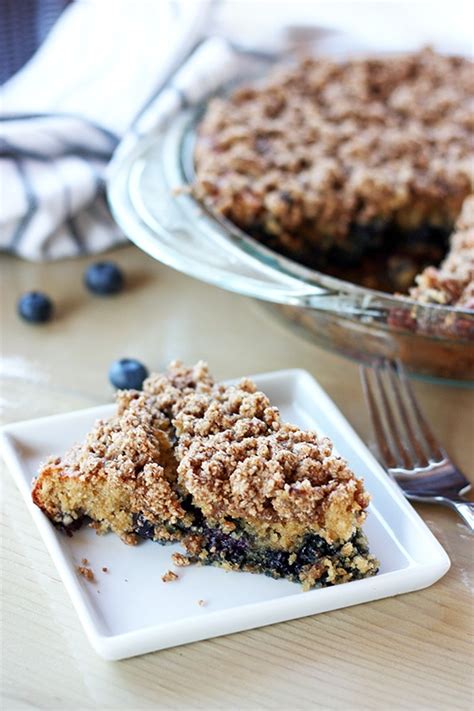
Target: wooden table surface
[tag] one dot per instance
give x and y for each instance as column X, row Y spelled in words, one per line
column 412, row 651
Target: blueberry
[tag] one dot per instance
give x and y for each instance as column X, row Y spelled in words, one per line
column 104, row 278
column 127, row 374
column 143, row 527
column 233, row 550
column 35, row 307
column 314, row 548
column 277, row 561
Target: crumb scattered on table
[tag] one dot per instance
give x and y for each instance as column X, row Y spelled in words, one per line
column 202, row 603
column 180, row 559
column 84, row 561
column 86, row 573
column 105, row 570
column 169, row 576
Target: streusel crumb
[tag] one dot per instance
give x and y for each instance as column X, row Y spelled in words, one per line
column 86, row 573
column 180, row 560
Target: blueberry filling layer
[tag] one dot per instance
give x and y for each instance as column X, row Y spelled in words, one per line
column 240, row 550
column 378, row 254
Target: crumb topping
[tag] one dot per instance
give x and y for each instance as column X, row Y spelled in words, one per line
column 321, row 145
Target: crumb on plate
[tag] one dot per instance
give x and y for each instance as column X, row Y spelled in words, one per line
column 180, row 559
column 86, row 573
column 169, row 576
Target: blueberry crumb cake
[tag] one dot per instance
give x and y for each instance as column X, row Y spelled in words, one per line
column 214, row 467
column 358, row 168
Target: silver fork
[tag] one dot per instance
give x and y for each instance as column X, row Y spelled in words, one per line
column 406, row 444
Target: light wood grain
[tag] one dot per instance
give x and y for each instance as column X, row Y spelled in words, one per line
column 410, row 652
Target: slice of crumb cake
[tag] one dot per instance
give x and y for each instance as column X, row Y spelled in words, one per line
column 215, row 468
column 273, row 498
column 124, row 477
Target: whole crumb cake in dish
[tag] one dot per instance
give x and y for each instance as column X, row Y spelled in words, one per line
column 213, row 467
column 357, row 168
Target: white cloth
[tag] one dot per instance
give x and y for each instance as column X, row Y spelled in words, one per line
column 65, row 112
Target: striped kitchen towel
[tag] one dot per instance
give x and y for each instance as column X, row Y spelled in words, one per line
column 65, row 112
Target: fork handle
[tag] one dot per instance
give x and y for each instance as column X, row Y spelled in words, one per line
column 465, row 509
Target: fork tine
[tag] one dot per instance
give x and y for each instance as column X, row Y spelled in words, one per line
column 402, row 455
column 385, row 452
column 423, row 432
column 419, row 455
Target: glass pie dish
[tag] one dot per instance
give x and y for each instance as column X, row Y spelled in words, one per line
column 149, row 194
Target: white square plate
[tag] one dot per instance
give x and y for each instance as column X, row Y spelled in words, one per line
column 129, row 610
